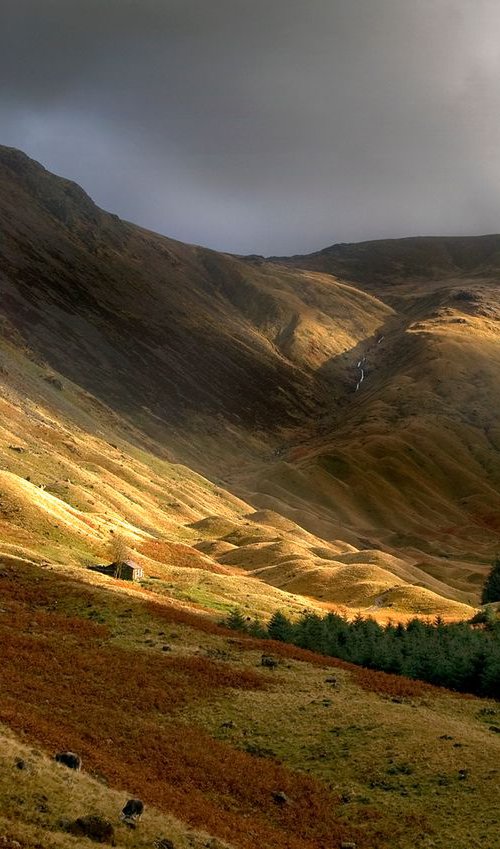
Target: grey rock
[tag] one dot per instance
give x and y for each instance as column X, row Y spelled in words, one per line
column 281, row 798
column 94, row 827
column 70, row 760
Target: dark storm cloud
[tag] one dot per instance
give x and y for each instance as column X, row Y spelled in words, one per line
column 272, row 127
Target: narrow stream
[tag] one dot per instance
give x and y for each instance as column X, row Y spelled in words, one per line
column 361, row 364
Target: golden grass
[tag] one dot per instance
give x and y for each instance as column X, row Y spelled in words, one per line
column 179, row 523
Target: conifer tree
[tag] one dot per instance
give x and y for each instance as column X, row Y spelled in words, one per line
column 236, row 620
column 491, row 589
column 454, row 655
column 280, row 628
column 257, row 629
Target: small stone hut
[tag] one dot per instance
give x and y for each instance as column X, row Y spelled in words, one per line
column 125, row 570
column 128, row 570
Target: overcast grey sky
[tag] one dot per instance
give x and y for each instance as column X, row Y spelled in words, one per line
column 267, row 126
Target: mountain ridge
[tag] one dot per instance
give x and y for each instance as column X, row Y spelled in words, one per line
column 387, row 259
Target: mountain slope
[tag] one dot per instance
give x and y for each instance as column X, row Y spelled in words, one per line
column 413, row 459
column 160, row 330
column 386, row 263
column 329, row 420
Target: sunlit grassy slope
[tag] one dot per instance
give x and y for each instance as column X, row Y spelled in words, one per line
column 70, row 479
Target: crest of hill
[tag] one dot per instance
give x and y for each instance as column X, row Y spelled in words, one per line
column 390, row 261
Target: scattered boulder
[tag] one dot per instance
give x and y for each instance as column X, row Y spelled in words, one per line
column 132, row 811
column 70, row 760
column 268, row 662
column 495, row 729
column 281, row 798
column 94, row 827
column 331, row 680
column 20, row 763
column 348, row 845
column 18, row 448
column 166, row 647
column 228, row 724
column 463, row 774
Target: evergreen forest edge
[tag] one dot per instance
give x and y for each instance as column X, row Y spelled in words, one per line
column 459, row 656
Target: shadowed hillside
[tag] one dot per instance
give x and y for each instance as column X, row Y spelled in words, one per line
column 164, row 332
column 388, row 262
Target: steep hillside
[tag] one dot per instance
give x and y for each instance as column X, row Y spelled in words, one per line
column 170, row 335
column 307, row 432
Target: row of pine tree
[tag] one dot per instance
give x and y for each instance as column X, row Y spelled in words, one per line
column 460, row 656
